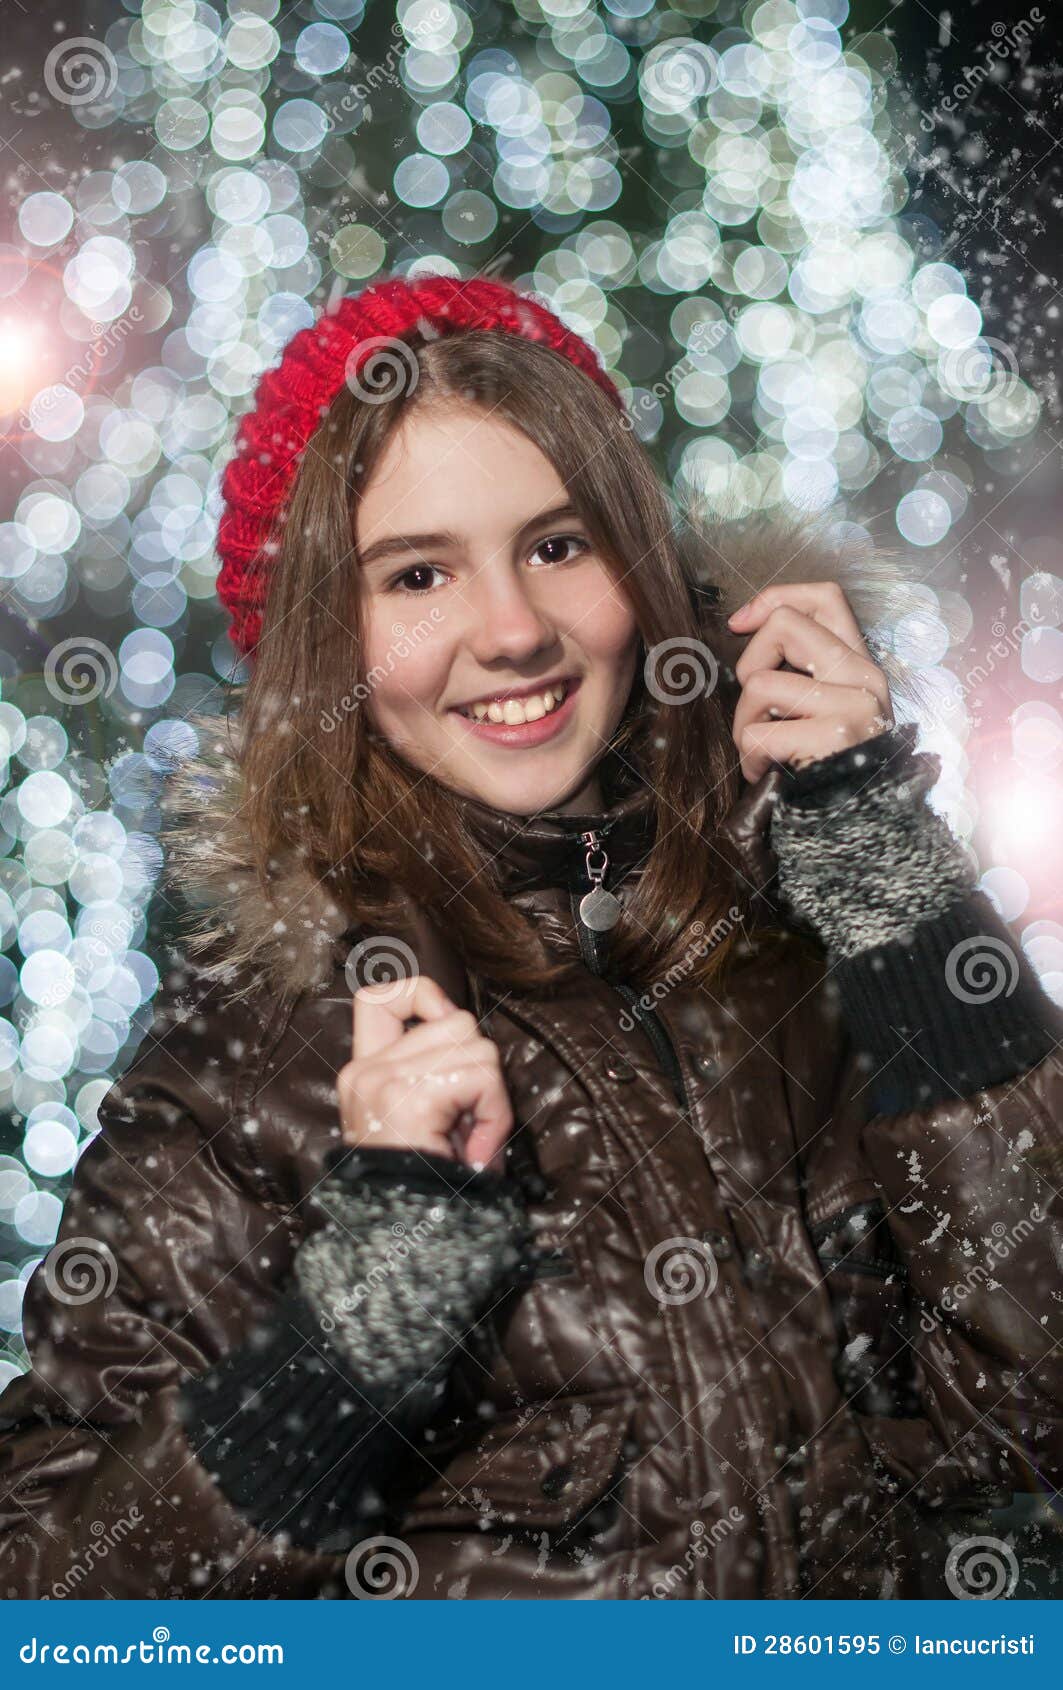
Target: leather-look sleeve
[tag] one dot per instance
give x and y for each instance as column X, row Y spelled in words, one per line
column 940, row 1231
column 167, row 1253
column 973, row 1191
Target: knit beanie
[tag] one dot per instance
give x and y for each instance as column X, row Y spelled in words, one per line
column 351, row 342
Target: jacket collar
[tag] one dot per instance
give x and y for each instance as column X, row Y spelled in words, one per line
column 545, row 849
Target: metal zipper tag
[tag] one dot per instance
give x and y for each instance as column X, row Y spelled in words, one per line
column 599, row 910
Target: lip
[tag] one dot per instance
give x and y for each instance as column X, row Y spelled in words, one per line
column 522, row 734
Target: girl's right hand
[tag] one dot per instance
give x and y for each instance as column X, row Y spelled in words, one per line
column 438, row 1087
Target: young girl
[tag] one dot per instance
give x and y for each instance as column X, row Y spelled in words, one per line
column 599, row 1143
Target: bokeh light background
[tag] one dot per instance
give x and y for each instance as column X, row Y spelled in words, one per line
column 721, row 198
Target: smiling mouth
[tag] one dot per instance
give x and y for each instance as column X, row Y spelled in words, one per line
column 514, row 711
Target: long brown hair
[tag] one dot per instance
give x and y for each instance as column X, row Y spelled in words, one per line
column 320, row 781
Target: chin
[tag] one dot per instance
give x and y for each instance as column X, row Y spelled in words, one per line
column 523, row 797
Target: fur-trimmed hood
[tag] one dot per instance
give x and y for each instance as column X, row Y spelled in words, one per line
column 240, row 938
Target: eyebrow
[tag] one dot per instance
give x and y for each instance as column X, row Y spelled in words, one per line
column 403, row 545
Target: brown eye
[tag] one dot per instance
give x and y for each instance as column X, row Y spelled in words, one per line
column 403, row 582
column 556, row 548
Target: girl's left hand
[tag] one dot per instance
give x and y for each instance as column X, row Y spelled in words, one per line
column 840, row 697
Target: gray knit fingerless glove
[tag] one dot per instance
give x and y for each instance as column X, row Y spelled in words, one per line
column 308, row 1425
column 876, row 875
column 405, row 1267
column 863, row 859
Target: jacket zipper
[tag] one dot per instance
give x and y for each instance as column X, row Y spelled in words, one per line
column 593, row 951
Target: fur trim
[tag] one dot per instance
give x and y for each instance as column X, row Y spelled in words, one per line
column 739, row 557
column 239, row 937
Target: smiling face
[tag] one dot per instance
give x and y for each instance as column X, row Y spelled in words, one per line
column 466, row 533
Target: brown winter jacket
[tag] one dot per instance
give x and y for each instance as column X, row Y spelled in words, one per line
column 802, row 1427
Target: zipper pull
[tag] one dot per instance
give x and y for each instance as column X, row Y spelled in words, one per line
column 598, row 909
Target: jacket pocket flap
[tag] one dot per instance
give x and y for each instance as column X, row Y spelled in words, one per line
column 543, row 1469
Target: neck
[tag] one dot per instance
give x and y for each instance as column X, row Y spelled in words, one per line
column 589, row 800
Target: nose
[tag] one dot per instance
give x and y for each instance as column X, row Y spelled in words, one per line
column 505, row 617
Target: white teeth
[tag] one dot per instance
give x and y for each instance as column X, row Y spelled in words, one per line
column 513, row 711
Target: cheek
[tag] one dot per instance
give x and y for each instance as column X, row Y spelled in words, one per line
column 406, row 665
column 602, row 619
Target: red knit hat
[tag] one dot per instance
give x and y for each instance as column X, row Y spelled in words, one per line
column 292, row 397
